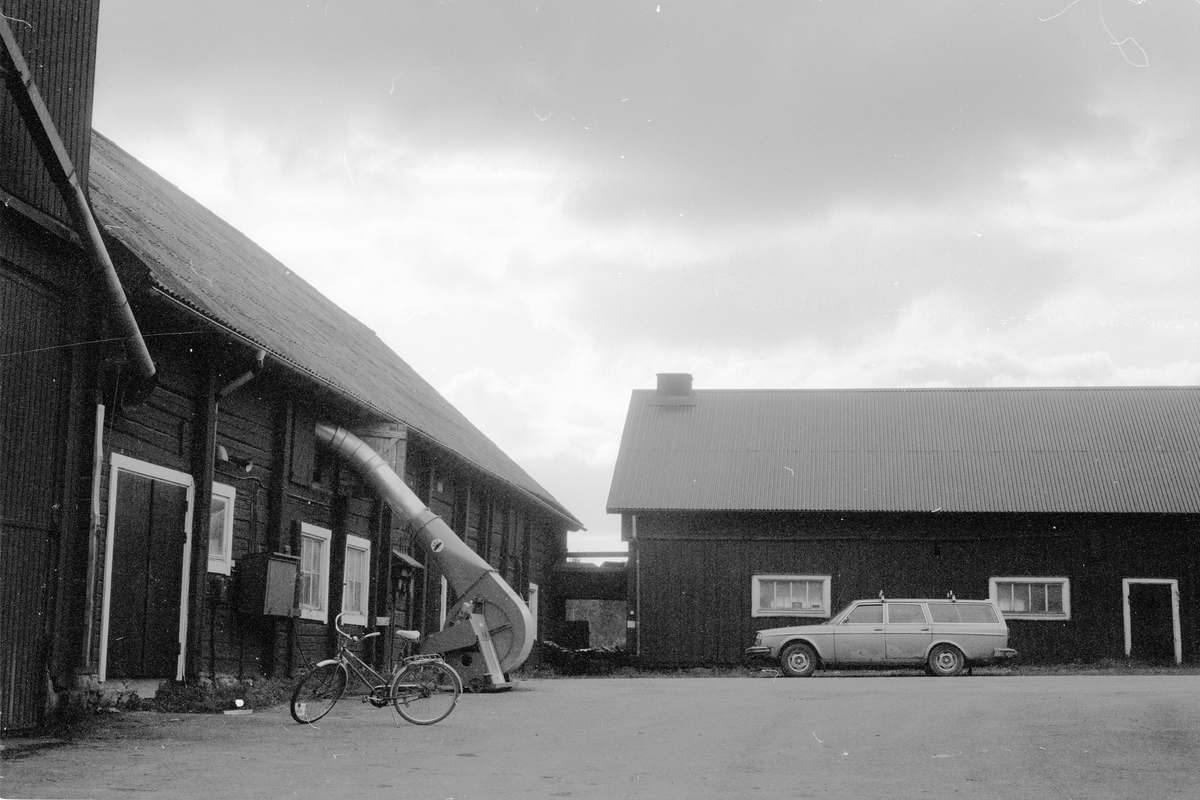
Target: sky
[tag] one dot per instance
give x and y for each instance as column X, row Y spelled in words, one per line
column 540, row 205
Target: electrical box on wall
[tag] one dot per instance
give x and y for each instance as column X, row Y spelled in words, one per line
column 267, row 584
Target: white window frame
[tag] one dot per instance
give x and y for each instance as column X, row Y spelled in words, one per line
column 994, row 595
column 360, row 545
column 222, row 563
column 320, row 612
column 819, row 613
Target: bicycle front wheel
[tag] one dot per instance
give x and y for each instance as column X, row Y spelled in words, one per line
column 317, row 693
column 425, row 692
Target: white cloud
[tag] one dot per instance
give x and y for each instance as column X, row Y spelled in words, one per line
column 487, row 268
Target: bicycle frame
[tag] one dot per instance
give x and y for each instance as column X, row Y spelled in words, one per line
column 414, row 696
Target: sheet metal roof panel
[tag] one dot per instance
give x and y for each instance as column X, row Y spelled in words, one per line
column 1049, row 449
column 202, row 261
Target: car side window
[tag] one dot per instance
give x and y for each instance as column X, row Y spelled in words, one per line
column 962, row 612
column 944, row 612
column 867, row 614
column 977, row 612
column 905, row 613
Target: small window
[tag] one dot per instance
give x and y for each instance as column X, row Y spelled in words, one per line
column 1032, row 598
column 905, row 613
column 220, row 529
column 865, row 615
column 789, row 596
column 314, row 572
column 357, row 581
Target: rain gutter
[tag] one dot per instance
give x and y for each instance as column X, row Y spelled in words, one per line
column 54, row 156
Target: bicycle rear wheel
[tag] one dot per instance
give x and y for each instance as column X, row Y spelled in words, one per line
column 317, row 693
column 425, row 692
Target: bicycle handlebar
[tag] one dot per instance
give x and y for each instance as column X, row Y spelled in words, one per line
column 337, row 623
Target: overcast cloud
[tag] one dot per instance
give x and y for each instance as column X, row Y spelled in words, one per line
column 539, row 205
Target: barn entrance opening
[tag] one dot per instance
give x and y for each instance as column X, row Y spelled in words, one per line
column 1152, row 620
column 592, row 634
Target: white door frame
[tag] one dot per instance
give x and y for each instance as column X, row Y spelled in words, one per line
column 120, row 464
column 1174, row 584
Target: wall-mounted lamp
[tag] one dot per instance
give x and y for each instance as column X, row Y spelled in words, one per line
column 223, row 457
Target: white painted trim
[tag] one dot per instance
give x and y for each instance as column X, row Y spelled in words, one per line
column 533, row 607
column 756, row 589
column 326, row 536
column 443, row 596
column 118, row 464
column 223, row 564
column 1066, row 596
column 364, row 546
column 1175, row 629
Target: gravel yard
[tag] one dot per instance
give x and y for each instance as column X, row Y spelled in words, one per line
column 1068, row 736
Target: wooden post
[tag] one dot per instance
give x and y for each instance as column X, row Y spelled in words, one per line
column 204, row 452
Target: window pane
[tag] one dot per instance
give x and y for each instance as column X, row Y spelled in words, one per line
column 778, row 596
column 1020, row 597
column 1032, row 597
column 798, row 595
column 1054, row 598
column 1037, row 598
column 310, row 572
column 355, row 573
column 216, row 527
column 813, row 596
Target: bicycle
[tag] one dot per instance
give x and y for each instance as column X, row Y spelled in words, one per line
column 422, row 688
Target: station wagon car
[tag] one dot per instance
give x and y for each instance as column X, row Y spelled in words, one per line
column 943, row 636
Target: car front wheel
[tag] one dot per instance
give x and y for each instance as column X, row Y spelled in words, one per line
column 798, row 660
column 945, row 661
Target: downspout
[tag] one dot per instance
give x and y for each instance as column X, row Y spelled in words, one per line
column 475, row 580
column 206, row 468
column 241, row 380
column 45, row 136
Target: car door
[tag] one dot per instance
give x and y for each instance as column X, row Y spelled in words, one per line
column 858, row 638
column 906, row 633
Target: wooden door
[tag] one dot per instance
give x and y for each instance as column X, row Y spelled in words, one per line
column 146, row 584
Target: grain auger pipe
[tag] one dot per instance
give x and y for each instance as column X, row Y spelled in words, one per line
column 492, row 611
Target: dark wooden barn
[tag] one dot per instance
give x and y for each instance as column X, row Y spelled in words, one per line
column 168, row 511
column 1078, row 509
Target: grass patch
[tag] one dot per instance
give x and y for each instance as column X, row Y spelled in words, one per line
column 178, row 697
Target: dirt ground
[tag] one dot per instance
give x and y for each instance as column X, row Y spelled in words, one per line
column 846, row 737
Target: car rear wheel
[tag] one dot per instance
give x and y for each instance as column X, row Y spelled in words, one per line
column 798, row 660
column 946, row 661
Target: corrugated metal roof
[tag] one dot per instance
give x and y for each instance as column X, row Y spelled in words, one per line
column 200, row 260
column 1077, row 449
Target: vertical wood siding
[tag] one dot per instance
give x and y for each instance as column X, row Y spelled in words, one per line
column 34, row 385
column 59, row 46
column 25, row 587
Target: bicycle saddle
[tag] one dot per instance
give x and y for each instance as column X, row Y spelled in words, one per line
column 412, row 636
